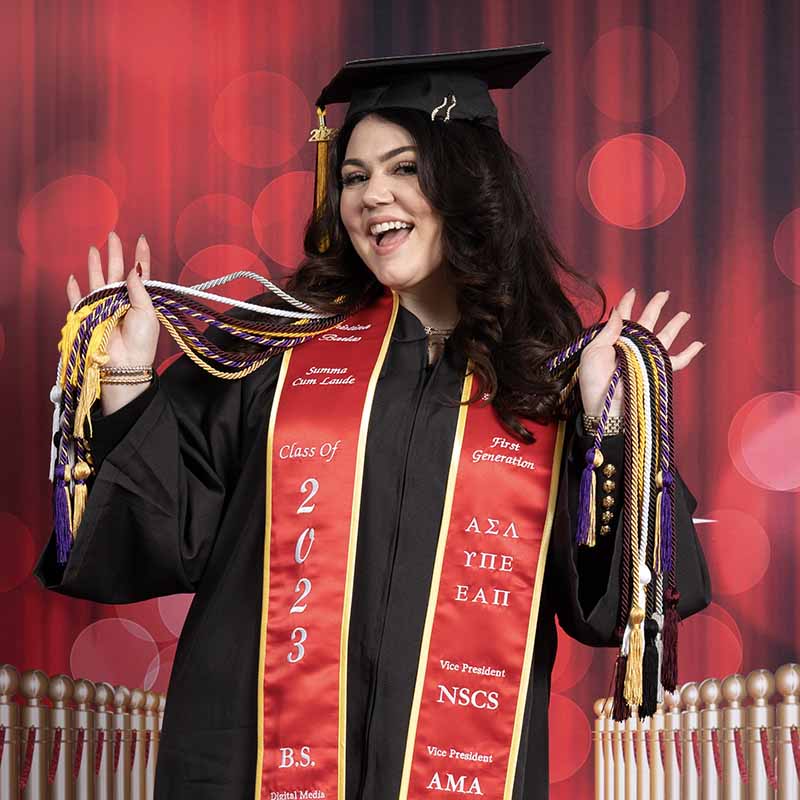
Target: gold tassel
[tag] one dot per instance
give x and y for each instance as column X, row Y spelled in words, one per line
column 633, row 676
column 321, row 135
column 80, row 473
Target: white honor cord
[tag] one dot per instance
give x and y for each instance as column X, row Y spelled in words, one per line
column 644, row 519
column 55, row 399
column 197, row 291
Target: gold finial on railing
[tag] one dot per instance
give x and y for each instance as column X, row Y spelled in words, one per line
column 787, row 681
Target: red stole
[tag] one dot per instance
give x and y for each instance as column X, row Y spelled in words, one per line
column 477, row 648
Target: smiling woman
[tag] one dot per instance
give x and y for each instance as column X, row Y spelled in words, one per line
column 380, row 533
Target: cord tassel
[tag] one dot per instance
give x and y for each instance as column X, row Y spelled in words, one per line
column 633, row 674
column 62, row 514
column 669, row 667
column 80, row 473
column 620, row 710
column 665, row 519
column 650, row 677
column 587, row 499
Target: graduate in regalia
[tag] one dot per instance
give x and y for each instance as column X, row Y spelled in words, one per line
column 383, row 513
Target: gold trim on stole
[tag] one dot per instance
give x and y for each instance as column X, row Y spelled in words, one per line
column 434, row 594
column 351, row 556
column 273, row 415
column 351, row 548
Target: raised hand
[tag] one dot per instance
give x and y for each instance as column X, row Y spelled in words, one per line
column 598, row 359
column 135, row 339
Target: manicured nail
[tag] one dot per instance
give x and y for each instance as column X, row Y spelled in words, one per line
column 138, row 269
column 141, row 237
column 71, row 278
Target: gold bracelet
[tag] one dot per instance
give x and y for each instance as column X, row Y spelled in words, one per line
column 126, row 370
column 614, row 425
column 127, row 380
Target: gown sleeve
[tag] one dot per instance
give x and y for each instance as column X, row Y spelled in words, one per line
column 583, row 583
column 165, row 467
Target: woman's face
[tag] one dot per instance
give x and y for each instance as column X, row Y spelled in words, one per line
column 390, row 222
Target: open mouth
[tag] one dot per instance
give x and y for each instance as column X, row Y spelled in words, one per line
column 392, row 238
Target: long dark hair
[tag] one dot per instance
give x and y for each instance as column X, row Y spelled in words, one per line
column 506, row 269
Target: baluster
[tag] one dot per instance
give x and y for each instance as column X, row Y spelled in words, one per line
column 672, row 726
column 760, row 715
column 121, row 755
column 608, row 748
column 629, row 746
column 83, row 720
column 787, row 680
column 34, row 717
column 642, row 759
column 690, row 723
column 9, row 723
column 162, row 704
column 102, row 751
column 657, row 777
column 151, row 741
column 733, row 719
column 599, row 766
column 711, row 781
column 60, row 750
column 138, row 782
column 619, row 760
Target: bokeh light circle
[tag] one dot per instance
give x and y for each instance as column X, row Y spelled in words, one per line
column 570, row 737
column 710, row 646
column 635, row 181
column 59, row 223
column 214, row 219
column 115, row 650
column 145, row 613
column 161, row 668
column 261, row 119
column 737, row 549
column 573, row 660
column 615, row 73
column 786, row 246
column 219, row 260
column 763, row 439
column 20, row 550
column 280, row 214
column 173, row 610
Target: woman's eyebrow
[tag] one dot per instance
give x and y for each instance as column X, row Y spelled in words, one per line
column 357, row 162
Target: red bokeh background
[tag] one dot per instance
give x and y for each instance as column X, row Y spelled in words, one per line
column 661, row 140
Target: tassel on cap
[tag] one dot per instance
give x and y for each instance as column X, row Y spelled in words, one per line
column 322, row 135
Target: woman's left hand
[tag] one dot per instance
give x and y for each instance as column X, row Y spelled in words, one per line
column 599, row 359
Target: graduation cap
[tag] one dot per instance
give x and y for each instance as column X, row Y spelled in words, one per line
column 448, row 86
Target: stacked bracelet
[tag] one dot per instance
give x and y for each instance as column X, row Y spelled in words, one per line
column 126, row 375
column 613, row 425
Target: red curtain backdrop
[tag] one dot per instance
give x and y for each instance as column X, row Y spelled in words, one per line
column 661, row 138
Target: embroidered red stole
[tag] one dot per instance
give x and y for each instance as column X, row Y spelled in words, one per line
column 477, row 648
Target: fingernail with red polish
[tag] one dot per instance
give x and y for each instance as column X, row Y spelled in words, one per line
column 138, row 269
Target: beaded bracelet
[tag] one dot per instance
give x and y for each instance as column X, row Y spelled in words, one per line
column 614, row 425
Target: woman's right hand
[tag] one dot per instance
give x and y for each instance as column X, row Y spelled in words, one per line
column 135, row 339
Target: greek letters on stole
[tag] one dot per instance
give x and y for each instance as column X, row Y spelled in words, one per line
column 477, row 648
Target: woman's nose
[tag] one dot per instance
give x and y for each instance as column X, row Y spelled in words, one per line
column 377, row 191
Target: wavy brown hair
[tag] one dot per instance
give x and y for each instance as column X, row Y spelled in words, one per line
column 505, row 267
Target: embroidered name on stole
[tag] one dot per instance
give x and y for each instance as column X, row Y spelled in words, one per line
column 477, row 647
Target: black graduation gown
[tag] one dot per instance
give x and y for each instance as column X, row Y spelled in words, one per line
column 178, row 506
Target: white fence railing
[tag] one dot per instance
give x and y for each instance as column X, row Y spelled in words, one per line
column 734, row 739
column 76, row 740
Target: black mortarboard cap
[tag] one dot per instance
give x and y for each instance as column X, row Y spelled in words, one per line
column 445, row 85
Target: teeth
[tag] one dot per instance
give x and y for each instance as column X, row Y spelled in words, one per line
column 382, row 227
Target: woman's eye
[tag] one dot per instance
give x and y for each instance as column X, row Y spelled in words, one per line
column 407, row 168
column 352, row 178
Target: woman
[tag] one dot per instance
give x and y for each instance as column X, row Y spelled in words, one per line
column 439, row 214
